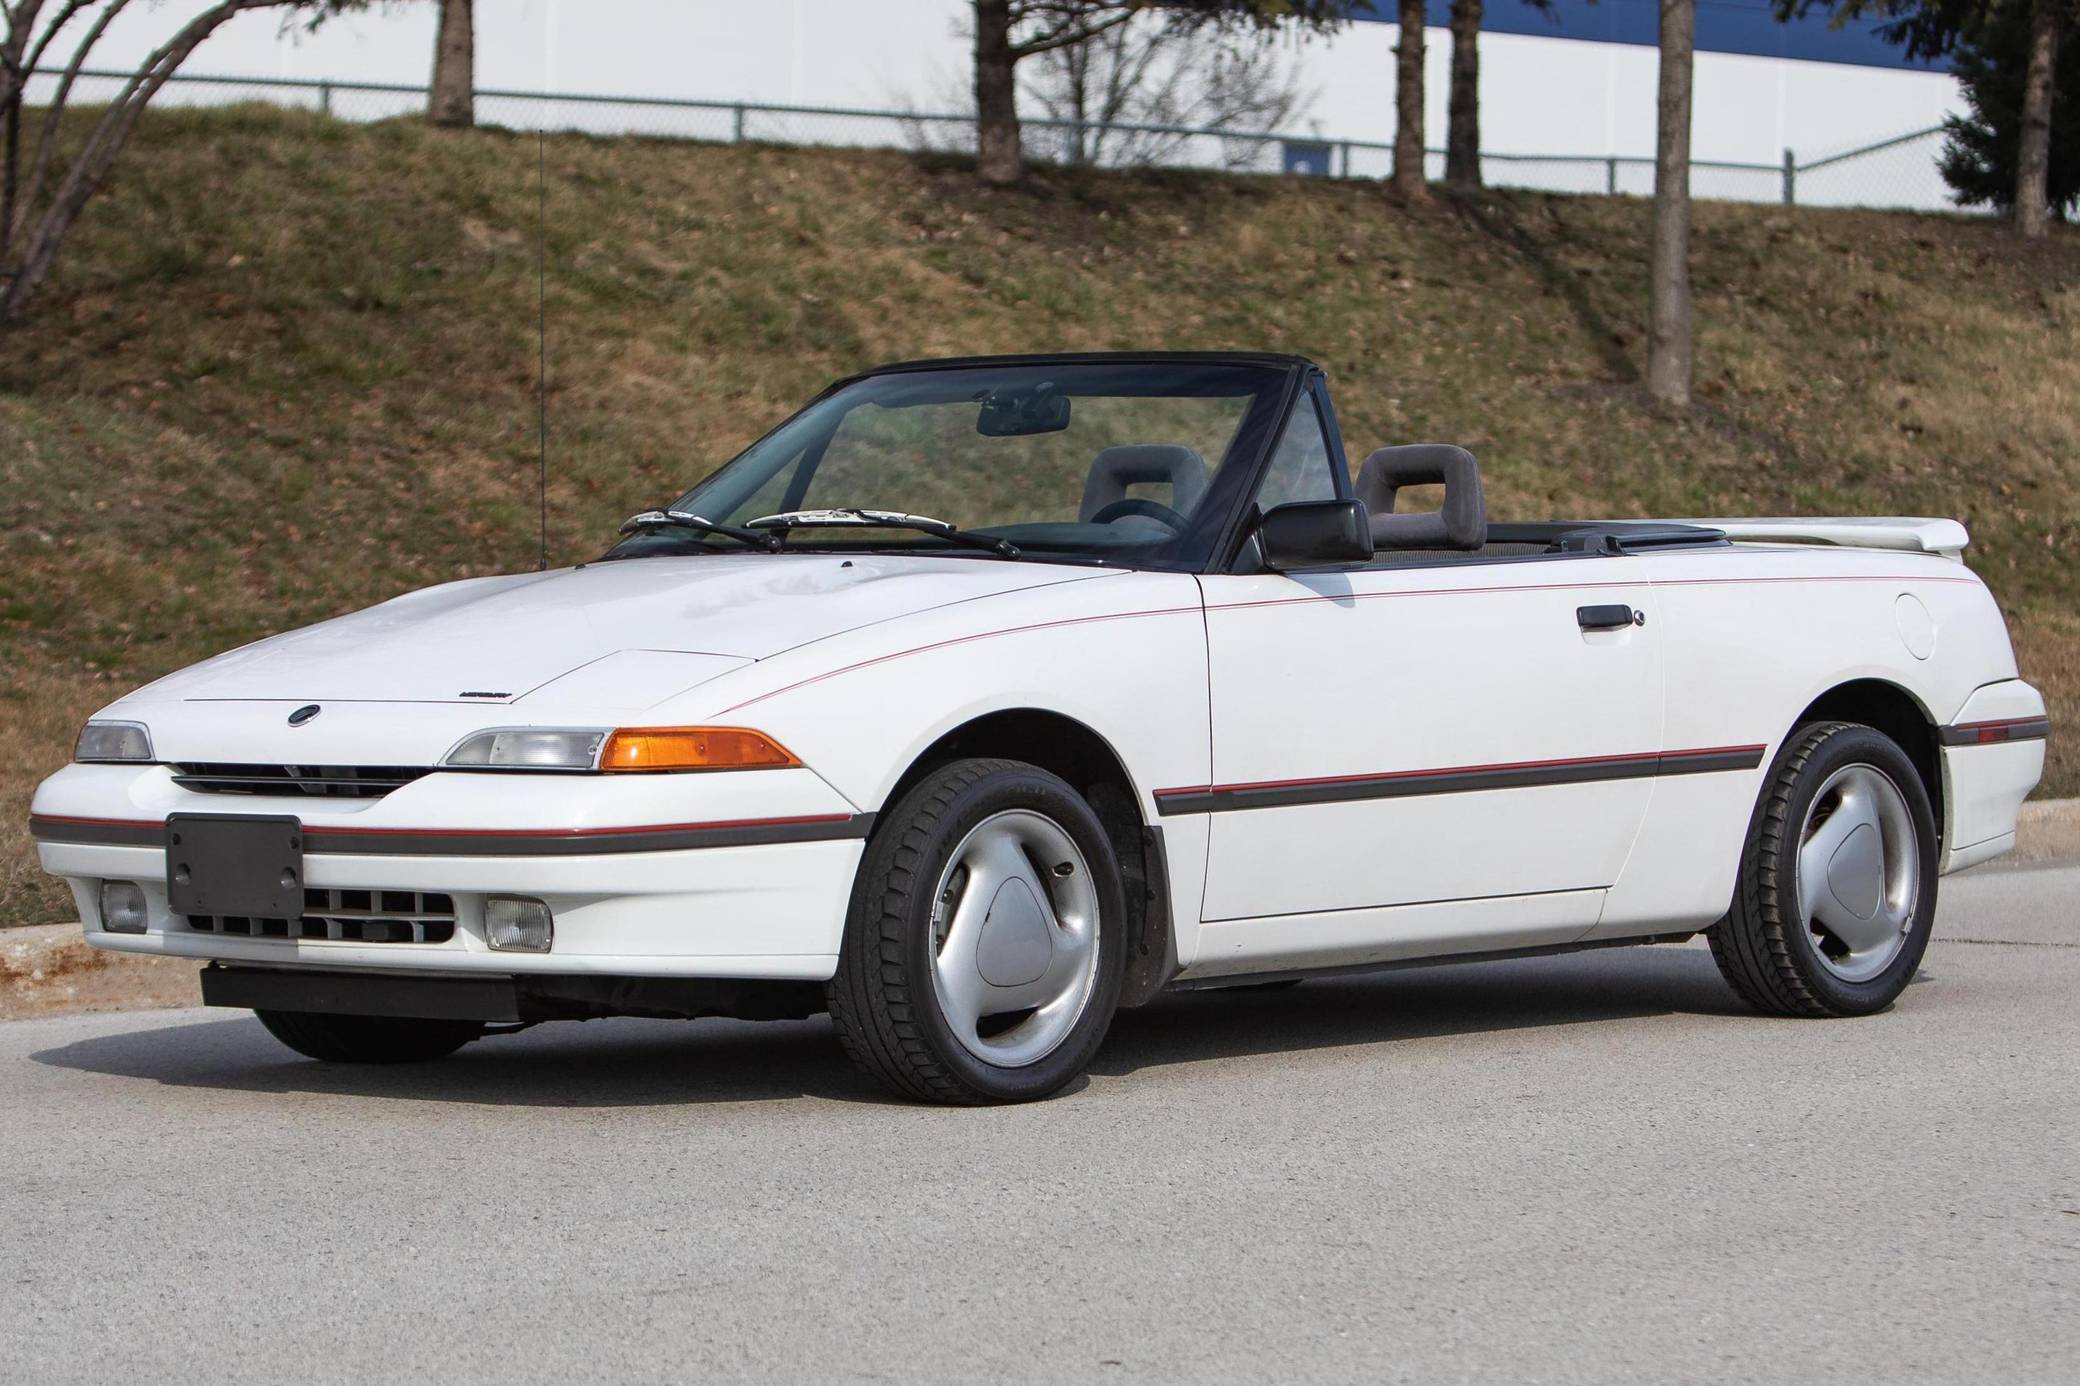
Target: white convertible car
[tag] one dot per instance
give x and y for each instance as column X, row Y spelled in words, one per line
column 985, row 697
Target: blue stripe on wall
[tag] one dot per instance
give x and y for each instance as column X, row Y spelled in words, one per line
column 1723, row 26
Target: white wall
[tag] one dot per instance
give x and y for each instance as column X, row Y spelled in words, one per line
column 1539, row 95
column 817, row 52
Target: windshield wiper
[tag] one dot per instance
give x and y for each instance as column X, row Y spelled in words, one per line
column 853, row 517
column 679, row 519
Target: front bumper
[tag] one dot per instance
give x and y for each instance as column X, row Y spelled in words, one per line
column 721, row 876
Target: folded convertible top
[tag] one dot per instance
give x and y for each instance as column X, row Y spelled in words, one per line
column 1945, row 537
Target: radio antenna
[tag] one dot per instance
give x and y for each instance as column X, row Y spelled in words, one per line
column 541, row 378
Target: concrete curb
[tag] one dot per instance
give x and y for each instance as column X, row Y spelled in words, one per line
column 48, row 969
column 2046, row 834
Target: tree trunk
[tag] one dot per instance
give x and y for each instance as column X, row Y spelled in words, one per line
column 1077, row 59
column 2033, row 156
column 10, row 159
column 1462, row 142
column 1668, row 310
column 453, row 98
column 1408, row 104
column 999, row 157
column 44, row 230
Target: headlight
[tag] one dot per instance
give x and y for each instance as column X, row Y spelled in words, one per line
column 105, row 741
column 529, row 748
column 626, row 750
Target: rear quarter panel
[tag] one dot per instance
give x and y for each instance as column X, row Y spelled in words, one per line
column 1753, row 635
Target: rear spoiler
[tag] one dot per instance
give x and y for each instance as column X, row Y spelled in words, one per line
column 1945, row 537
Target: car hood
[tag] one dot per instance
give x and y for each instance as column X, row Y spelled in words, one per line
column 627, row 633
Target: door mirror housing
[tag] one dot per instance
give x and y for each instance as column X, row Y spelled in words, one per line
column 1315, row 534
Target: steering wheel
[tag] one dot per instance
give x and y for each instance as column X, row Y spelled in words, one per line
column 1136, row 505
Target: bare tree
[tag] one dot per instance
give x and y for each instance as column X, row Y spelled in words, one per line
column 999, row 145
column 452, row 99
column 2033, row 151
column 1462, row 139
column 1462, row 135
column 1408, row 104
column 1157, row 71
column 40, row 201
column 1006, row 32
column 1669, row 318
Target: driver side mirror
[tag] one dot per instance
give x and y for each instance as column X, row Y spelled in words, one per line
column 1315, row 534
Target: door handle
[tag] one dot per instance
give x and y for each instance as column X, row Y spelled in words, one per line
column 1615, row 616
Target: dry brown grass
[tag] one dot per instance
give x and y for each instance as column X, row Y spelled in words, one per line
column 287, row 370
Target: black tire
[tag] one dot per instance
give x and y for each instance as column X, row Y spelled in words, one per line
column 1763, row 947
column 883, row 999
column 368, row 1039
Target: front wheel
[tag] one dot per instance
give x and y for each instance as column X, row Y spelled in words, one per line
column 983, row 953
column 1838, row 882
column 368, row 1039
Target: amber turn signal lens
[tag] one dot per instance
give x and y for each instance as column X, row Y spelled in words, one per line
column 693, row 748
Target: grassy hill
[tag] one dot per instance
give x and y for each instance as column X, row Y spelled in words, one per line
column 287, row 369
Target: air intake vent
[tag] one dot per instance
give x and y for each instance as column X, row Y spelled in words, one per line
column 348, row 916
column 311, row 781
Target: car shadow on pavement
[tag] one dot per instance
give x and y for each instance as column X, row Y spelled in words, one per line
column 635, row 1063
column 1419, row 1003
column 604, row 1063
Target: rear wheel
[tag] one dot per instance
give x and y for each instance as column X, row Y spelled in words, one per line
column 1838, row 881
column 983, row 954
column 368, row 1039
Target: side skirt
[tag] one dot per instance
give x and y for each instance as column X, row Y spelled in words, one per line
column 1251, row 979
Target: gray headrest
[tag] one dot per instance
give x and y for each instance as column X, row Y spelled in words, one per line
column 1462, row 524
column 1143, row 464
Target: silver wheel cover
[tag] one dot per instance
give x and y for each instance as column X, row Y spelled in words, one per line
column 1014, row 938
column 1859, row 872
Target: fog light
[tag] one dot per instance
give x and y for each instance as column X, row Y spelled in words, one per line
column 516, row 924
column 123, row 909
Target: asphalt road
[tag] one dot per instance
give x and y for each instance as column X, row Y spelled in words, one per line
column 1589, row 1168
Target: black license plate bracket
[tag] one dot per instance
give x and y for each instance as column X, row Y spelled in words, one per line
column 235, row 864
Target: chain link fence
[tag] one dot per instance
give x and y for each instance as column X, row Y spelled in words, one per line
column 1899, row 173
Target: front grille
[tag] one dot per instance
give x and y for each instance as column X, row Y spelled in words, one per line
column 318, row 781
column 351, row 916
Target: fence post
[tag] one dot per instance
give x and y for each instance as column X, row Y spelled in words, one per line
column 737, row 126
column 1610, row 176
column 325, row 98
column 1343, row 154
column 1790, row 179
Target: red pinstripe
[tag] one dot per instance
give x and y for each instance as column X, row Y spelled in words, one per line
column 1288, row 601
column 324, row 830
column 960, row 640
column 1569, row 587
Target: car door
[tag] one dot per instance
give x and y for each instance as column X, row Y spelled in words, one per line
column 1437, row 756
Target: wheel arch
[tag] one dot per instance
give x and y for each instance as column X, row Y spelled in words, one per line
column 1088, row 762
column 1893, row 710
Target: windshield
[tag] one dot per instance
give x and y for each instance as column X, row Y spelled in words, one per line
column 1132, row 463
